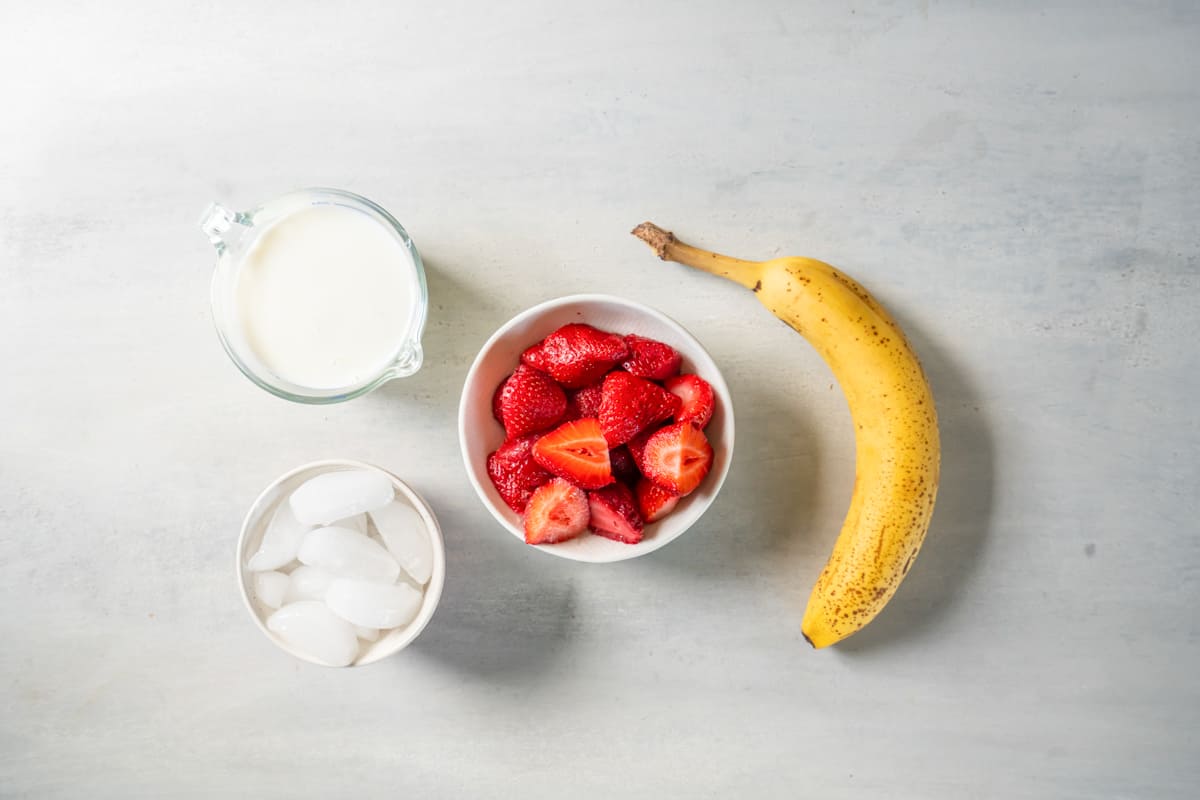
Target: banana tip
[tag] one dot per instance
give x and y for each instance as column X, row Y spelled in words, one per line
column 656, row 237
column 810, row 641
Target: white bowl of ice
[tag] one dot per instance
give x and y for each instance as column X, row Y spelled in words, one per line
column 340, row 563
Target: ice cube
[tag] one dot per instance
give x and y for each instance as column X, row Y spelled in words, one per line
column 407, row 539
column 281, row 541
column 356, row 523
column 337, row 495
column 316, row 631
column 366, row 634
column 373, row 605
column 269, row 587
column 307, row 583
column 348, row 554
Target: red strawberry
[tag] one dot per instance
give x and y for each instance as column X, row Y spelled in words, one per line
column 514, row 473
column 651, row 359
column 676, row 458
column 629, row 405
column 496, row 401
column 623, row 468
column 529, row 401
column 557, row 511
column 577, row 354
column 584, row 402
column 696, row 396
column 576, row 451
column 614, row 514
column 654, row 502
column 637, row 446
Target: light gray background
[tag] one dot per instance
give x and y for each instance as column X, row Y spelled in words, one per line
column 1020, row 184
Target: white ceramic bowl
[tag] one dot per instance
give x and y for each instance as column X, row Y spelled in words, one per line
column 255, row 525
column 480, row 434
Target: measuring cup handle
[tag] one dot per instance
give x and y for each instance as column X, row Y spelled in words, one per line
column 409, row 361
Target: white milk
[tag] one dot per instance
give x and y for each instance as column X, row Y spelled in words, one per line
column 325, row 297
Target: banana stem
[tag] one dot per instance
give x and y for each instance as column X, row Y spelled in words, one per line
column 668, row 248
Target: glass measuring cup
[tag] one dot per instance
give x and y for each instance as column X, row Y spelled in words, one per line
column 235, row 234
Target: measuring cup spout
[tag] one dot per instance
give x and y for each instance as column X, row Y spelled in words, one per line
column 222, row 225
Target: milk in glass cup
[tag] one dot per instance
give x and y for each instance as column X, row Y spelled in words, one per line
column 318, row 296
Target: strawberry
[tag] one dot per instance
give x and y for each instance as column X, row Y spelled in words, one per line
column 637, row 446
column 584, row 402
column 557, row 511
column 514, row 473
column 654, row 502
column 576, row 451
column 614, row 514
column 696, row 396
column 577, row 354
column 628, row 405
column 650, row 359
column 676, row 458
column 623, row 468
column 529, row 401
column 496, row 401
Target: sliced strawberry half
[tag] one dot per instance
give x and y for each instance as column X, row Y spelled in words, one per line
column 576, row 451
column 623, row 468
column 677, row 457
column 650, row 358
column 558, row 511
column 629, row 405
column 614, row 514
column 514, row 473
column 496, row 402
column 529, row 401
column 577, row 354
column 637, row 446
column 584, row 402
column 696, row 399
column 654, row 501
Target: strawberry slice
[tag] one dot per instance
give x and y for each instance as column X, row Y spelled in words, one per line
column 496, row 401
column 557, row 511
column 629, row 405
column 649, row 358
column 577, row 354
column 584, row 402
column 614, row 514
column 529, row 401
column 637, row 447
column 654, row 501
column 696, row 399
column 576, row 451
column 623, row 468
column 676, row 458
column 514, row 473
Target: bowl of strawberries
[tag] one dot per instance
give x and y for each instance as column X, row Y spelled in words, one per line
column 595, row 428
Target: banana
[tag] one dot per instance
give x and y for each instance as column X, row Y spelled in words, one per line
column 896, row 433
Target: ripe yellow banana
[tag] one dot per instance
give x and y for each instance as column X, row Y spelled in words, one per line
column 896, row 433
